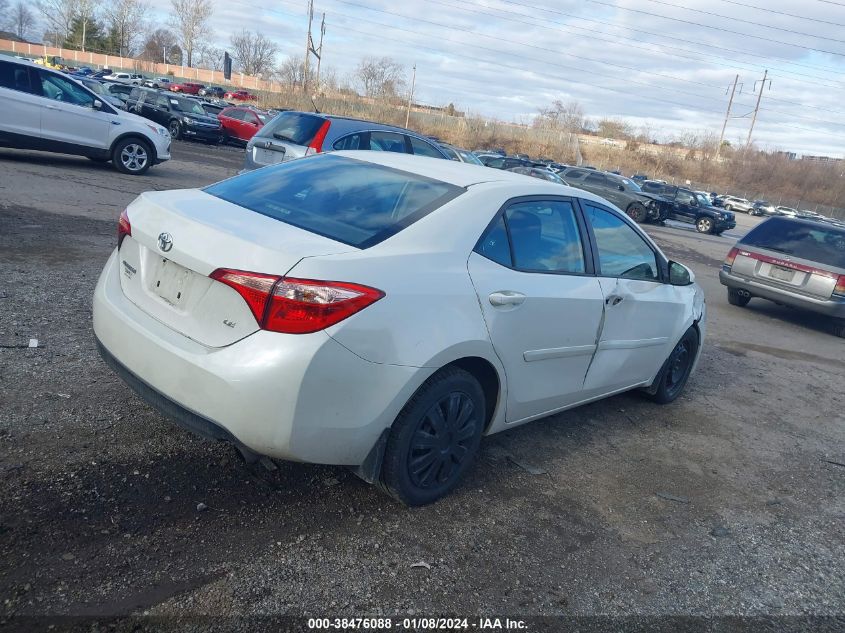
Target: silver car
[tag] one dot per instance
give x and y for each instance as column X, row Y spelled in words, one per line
column 731, row 203
column 297, row 134
column 799, row 262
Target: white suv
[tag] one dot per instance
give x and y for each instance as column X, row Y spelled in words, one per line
column 126, row 78
column 47, row 111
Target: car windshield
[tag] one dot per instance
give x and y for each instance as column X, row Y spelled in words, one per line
column 187, row 105
column 812, row 241
column 350, row 201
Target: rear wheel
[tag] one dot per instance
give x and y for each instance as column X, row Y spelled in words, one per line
column 704, row 225
column 435, row 438
column 736, row 298
column 637, row 212
column 132, row 156
column 676, row 370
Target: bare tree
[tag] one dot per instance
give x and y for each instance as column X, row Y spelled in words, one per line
column 292, row 71
column 380, row 77
column 209, row 56
column 22, row 19
column 4, row 8
column 567, row 116
column 254, row 53
column 85, row 12
column 161, row 46
column 125, row 20
column 59, row 15
column 190, row 20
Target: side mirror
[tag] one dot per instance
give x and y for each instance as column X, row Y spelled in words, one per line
column 679, row 275
column 98, row 105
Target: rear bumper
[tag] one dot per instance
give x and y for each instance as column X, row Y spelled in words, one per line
column 296, row 397
column 829, row 307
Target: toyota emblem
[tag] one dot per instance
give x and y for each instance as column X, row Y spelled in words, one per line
column 165, row 241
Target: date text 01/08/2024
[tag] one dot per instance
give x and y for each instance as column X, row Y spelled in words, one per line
column 415, row 624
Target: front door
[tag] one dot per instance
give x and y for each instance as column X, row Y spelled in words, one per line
column 686, row 206
column 634, row 341
column 541, row 303
column 68, row 114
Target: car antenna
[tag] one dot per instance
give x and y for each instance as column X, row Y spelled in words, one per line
column 316, row 109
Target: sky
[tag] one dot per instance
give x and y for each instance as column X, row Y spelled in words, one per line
column 665, row 65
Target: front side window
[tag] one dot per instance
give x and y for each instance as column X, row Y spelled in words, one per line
column 234, row 113
column 421, row 148
column 596, row 179
column 684, row 197
column 544, row 237
column 61, row 89
column 622, row 252
column 387, row 142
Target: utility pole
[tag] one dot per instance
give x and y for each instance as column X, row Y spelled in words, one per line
column 319, row 51
column 307, row 47
column 727, row 116
column 757, row 107
column 411, row 96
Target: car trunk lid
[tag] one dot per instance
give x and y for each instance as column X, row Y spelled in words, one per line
column 178, row 238
column 782, row 271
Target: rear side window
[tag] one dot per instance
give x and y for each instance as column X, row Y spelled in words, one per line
column 298, row 128
column 15, row 77
column 574, row 173
column 353, row 141
column 387, row 142
column 596, row 179
column 350, row 201
column 815, row 242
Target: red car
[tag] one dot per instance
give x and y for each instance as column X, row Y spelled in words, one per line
column 241, row 124
column 187, row 87
column 240, row 95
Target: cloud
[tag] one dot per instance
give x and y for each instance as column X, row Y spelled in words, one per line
column 648, row 61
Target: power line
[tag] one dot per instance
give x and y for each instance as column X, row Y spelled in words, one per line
column 669, row 37
column 475, row 10
column 791, row 15
column 718, row 28
column 524, row 44
column 735, row 19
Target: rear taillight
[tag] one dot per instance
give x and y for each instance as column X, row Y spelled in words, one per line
column 316, row 144
column 729, row 260
column 840, row 286
column 297, row 306
column 123, row 227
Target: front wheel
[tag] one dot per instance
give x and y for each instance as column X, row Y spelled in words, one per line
column 637, row 212
column 704, row 225
column 132, row 156
column 676, row 370
column 435, row 438
column 175, row 130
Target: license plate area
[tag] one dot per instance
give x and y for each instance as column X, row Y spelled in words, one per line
column 781, row 273
column 269, row 156
column 171, row 282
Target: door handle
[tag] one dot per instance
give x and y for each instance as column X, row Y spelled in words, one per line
column 506, row 298
column 52, row 107
column 613, row 300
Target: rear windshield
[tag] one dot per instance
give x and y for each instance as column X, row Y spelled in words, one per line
column 350, row 201
column 816, row 242
column 298, row 128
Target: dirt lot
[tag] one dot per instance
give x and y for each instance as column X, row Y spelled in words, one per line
column 729, row 501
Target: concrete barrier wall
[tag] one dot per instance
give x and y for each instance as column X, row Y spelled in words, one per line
column 80, row 58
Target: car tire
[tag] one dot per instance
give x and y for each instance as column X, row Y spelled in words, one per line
column 839, row 328
column 704, row 225
column 637, row 212
column 175, row 129
column 675, row 372
column 132, row 156
column 435, row 438
column 737, row 299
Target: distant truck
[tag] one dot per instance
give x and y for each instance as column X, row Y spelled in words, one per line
column 52, row 61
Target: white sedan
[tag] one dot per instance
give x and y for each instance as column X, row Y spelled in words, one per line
column 384, row 311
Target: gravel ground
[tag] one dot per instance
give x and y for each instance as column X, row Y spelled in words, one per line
column 728, row 502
